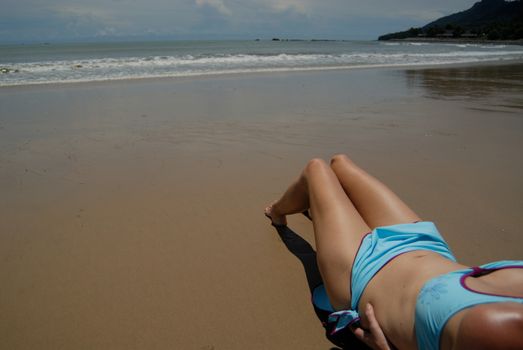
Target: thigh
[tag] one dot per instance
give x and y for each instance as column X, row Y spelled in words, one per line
column 338, row 230
column 375, row 202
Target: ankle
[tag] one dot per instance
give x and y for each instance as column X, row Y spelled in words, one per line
column 274, row 209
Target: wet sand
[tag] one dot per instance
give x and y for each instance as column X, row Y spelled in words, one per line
column 131, row 213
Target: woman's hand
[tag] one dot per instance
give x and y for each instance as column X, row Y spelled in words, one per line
column 374, row 336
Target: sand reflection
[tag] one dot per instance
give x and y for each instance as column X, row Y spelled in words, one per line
column 497, row 86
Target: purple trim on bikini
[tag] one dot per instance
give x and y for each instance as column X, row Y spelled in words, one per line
column 352, row 266
column 334, row 331
column 479, row 271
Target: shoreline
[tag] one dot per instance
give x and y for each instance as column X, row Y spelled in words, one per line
column 265, row 72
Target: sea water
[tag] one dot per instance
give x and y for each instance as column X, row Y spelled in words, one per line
column 83, row 62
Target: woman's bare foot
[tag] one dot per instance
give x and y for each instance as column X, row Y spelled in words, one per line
column 276, row 219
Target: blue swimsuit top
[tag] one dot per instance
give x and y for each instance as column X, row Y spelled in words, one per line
column 445, row 295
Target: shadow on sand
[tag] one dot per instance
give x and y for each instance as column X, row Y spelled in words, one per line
column 300, row 248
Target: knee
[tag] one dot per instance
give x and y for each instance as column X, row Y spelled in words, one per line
column 315, row 165
column 340, row 159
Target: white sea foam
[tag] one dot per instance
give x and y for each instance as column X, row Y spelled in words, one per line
column 194, row 64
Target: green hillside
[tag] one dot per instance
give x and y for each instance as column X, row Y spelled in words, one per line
column 487, row 19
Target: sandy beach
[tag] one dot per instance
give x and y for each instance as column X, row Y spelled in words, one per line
column 131, row 212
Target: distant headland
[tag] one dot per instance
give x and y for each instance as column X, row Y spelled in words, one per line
column 485, row 21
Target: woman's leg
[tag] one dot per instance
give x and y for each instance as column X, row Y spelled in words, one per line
column 338, row 227
column 375, row 202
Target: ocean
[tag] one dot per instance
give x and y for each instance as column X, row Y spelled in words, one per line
column 31, row 64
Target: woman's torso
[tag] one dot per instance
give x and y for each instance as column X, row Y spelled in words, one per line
column 394, row 290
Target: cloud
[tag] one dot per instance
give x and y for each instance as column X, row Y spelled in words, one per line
column 37, row 20
column 296, row 6
column 421, row 15
column 216, row 4
column 81, row 20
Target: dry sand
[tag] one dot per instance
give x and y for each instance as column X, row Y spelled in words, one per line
column 131, row 212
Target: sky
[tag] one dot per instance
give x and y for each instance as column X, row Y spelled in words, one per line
column 99, row 20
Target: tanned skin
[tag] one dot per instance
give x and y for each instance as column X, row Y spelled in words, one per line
column 346, row 203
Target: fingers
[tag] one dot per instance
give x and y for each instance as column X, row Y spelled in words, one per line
column 359, row 333
column 374, row 327
column 374, row 337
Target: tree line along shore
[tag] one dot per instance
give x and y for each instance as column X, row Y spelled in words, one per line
column 485, row 21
